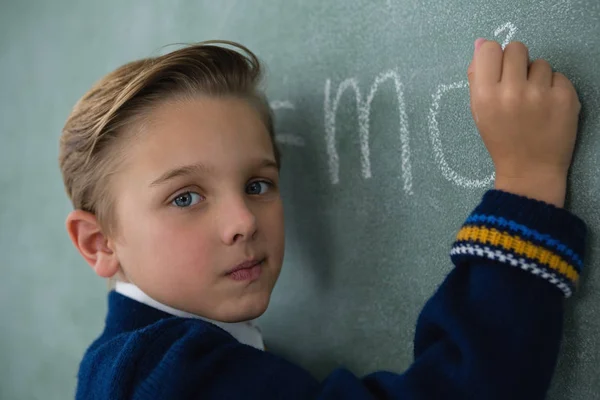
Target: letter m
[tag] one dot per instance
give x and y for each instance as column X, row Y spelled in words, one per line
column 364, row 110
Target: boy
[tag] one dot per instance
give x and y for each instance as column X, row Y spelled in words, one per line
column 173, row 171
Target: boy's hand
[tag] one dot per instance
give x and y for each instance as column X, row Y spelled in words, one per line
column 527, row 117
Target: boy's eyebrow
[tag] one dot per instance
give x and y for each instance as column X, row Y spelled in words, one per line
column 195, row 169
column 192, row 169
column 267, row 163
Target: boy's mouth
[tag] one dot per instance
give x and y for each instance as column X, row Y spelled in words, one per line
column 248, row 270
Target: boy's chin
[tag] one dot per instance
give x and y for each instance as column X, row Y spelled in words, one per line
column 248, row 311
column 240, row 310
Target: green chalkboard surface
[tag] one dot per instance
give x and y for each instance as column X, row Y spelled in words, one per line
column 382, row 164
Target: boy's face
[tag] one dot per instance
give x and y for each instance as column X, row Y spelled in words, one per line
column 198, row 196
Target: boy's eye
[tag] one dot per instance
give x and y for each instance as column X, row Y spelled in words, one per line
column 186, row 199
column 258, row 187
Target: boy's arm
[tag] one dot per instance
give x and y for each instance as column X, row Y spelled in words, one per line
column 493, row 328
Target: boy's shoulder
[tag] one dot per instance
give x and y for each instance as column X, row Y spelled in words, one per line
column 131, row 320
column 147, row 352
column 135, row 339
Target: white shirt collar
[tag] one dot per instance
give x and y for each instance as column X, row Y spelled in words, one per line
column 246, row 332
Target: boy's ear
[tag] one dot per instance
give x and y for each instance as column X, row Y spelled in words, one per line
column 85, row 233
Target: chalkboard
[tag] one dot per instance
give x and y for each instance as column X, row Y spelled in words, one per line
column 381, row 165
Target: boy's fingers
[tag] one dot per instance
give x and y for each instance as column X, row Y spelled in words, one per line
column 471, row 68
column 566, row 89
column 487, row 67
column 540, row 73
column 559, row 80
column 516, row 61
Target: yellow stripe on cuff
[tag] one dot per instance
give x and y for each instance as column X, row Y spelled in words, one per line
column 515, row 244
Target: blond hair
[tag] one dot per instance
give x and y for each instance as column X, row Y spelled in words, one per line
column 91, row 142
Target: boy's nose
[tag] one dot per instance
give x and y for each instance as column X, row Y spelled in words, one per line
column 239, row 222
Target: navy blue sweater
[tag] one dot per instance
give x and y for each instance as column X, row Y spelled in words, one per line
column 492, row 330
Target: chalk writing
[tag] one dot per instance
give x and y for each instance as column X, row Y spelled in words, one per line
column 364, row 110
column 289, row 139
column 363, row 107
column 278, row 104
column 436, row 142
column 286, row 138
column 511, row 28
column 434, row 130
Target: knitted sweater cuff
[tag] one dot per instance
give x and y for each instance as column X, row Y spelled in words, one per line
column 532, row 235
